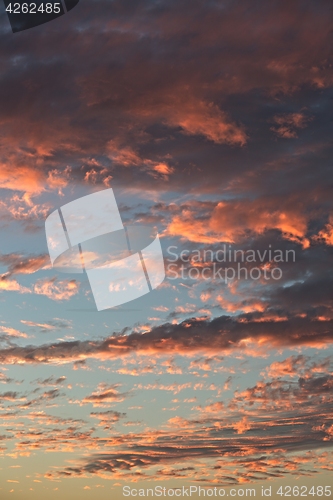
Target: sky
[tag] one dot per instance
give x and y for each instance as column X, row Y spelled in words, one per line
column 212, row 123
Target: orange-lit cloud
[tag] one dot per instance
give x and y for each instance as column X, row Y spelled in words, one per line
column 232, row 221
column 286, row 125
column 56, row 290
column 217, row 336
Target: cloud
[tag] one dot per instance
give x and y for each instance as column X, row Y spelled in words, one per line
column 281, row 394
column 286, row 125
column 206, row 119
column 12, row 285
column 219, row 335
column 104, row 394
column 217, row 407
column 264, row 431
column 52, row 381
column 5, row 380
column 56, row 290
column 53, row 325
column 162, row 170
column 151, row 85
column 126, row 156
column 206, row 364
column 174, row 388
column 326, row 234
column 22, row 264
column 12, row 332
column 50, row 287
column 107, row 419
column 233, row 221
column 24, row 210
column 225, row 457
column 177, row 107
column 8, row 396
column 21, row 179
column 242, row 426
column 299, row 365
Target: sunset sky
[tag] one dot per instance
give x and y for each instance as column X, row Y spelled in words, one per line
column 212, row 122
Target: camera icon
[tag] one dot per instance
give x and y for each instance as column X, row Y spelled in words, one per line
column 24, row 14
column 88, row 235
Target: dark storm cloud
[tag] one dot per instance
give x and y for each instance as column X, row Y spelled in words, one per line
column 119, row 88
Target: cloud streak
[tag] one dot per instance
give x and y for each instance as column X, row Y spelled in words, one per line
column 218, row 335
